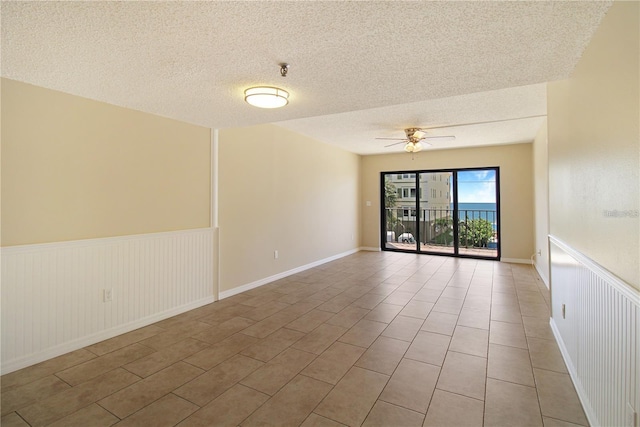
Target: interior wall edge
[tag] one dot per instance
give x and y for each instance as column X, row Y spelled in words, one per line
column 370, row 249
column 542, row 274
column 516, row 260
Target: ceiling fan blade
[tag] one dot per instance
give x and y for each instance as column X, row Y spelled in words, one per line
column 391, row 145
column 483, row 123
column 394, row 139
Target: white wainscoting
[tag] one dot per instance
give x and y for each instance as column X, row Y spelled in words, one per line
column 52, row 294
column 599, row 335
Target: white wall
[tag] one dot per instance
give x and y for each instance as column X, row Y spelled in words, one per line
column 594, row 148
column 594, row 196
column 516, row 189
column 541, row 202
column 282, row 191
column 74, row 168
column 97, row 197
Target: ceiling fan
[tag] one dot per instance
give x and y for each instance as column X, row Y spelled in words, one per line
column 415, row 137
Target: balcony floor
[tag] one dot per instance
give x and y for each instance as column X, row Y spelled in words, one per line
column 481, row 252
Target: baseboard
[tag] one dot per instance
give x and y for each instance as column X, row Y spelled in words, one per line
column 516, row 260
column 573, row 374
column 256, row 284
column 32, row 359
column 369, row 249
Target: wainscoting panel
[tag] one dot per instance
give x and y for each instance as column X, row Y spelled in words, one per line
column 598, row 335
column 53, row 295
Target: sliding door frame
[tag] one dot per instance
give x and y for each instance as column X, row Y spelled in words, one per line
column 455, row 212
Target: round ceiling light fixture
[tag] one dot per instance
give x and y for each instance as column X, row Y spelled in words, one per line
column 266, row 97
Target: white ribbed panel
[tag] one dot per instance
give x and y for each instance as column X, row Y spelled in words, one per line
column 52, row 294
column 599, row 336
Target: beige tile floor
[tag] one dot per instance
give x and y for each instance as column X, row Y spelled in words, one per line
column 384, row 339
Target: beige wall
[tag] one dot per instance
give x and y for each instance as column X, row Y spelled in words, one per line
column 541, row 202
column 74, row 168
column 516, row 189
column 594, row 149
column 282, row 191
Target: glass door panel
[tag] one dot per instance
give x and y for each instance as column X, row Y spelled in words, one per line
column 477, row 212
column 436, row 212
column 400, row 213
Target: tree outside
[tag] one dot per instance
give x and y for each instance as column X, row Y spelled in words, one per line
column 390, row 199
column 475, row 232
column 390, row 195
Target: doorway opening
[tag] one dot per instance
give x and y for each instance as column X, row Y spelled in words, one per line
column 452, row 212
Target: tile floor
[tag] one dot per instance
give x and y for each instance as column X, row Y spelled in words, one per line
column 383, row 338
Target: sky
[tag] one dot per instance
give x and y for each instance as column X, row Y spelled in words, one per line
column 478, row 186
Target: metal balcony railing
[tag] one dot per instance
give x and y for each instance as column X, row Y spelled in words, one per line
column 477, row 228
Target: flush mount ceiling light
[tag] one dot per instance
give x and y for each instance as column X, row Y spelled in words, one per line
column 268, row 96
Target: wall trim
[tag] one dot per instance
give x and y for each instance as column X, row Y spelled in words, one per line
column 370, row 249
column 256, row 284
column 620, row 285
column 97, row 241
column 79, row 343
column 215, row 215
column 516, row 260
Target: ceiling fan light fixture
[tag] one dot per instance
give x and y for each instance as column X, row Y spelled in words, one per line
column 266, row 97
column 412, row 147
column 419, row 134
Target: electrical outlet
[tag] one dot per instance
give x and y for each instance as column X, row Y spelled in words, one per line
column 275, row 254
column 107, row 295
column 539, row 252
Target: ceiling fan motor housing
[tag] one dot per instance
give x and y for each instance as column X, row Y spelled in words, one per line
column 414, row 134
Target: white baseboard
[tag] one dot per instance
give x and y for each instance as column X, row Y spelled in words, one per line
column 85, row 341
column 256, row 284
column 370, row 249
column 516, row 260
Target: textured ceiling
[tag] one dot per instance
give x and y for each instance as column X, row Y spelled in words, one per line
column 386, row 65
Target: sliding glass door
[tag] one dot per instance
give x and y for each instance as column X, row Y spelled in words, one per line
column 454, row 212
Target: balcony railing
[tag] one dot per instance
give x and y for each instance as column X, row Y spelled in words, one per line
column 477, row 228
